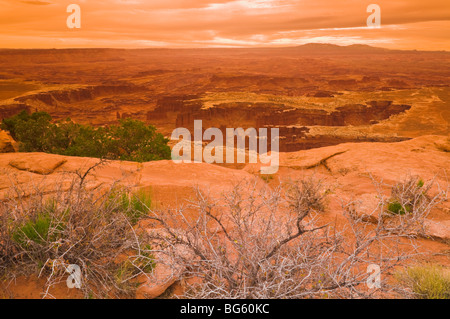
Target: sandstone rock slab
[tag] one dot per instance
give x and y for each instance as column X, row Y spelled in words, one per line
column 38, row 164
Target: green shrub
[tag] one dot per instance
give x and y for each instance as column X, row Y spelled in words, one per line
column 32, row 130
column 420, row 183
column 38, row 229
column 426, row 282
column 267, row 178
column 130, row 140
column 396, row 208
column 409, row 197
column 15, row 124
column 135, row 206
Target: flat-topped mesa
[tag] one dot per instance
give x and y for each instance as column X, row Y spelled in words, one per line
column 183, row 112
column 343, row 83
column 256, row 80
column 359, row 114
column 56, row 97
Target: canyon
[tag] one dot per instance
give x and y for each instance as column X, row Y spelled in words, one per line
column 317, row 94
column 358, row 118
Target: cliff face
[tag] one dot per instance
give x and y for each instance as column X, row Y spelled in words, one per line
column 13, row 109
column 317, row 95
column 182, row 111
column 170, row 112
column 54, row 98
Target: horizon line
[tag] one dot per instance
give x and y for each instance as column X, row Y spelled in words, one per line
column 226, row 47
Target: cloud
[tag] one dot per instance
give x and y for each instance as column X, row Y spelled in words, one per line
column 189, row 23
column 39, row 3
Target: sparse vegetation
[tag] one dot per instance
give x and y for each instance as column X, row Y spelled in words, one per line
column 409, row 196
column 267, row 178
column 135, row 206
column 264, row 243
column 133, row 266
column 252, row 243
column 426, row 281
column 131, row 140
column 396, row 208
column 98, row 231
column 37, row 230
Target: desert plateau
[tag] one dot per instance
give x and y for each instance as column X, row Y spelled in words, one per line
column 358, row 119
column 225, row 158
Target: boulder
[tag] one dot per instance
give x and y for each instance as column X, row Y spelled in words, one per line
column 368, row 208
column 438, row 229
column 7, row 144
column 169, row 269
column 155, row 284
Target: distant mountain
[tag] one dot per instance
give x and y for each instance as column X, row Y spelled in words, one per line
column 309, row 48
column 338, row 49
column 327, row 48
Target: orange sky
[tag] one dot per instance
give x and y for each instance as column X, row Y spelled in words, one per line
column 406, row 24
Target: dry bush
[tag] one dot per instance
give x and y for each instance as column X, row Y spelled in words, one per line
column 409, row 196
column 43, row 232
column 255, row 242
column 411, row 203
